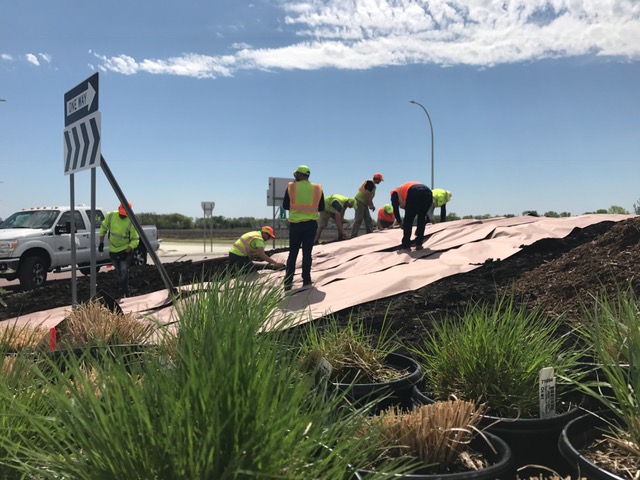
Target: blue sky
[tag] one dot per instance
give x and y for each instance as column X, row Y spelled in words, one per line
column 535, row 104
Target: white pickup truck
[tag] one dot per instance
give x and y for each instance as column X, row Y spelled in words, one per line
column 37, row 240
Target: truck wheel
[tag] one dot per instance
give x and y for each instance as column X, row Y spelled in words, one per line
column 32, row 272
column 139, row 256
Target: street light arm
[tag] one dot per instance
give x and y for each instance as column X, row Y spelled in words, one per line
column 432, row 140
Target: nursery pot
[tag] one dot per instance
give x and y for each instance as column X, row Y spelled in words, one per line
column 533, row 441
column 499, row 459
column 397, row 392
column 128, row 354
column 578, row 434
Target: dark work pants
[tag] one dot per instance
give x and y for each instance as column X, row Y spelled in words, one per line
column 240, row 264
column 121, row 261
column 301, row 234
column 419, row 198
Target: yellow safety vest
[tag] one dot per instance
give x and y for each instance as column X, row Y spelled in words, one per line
column 121, row 233
column 243, row 247
column 328, row 207
column 439, row 197
column 365, row 195
column 304, row 198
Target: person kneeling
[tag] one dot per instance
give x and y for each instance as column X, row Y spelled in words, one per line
column 250, row 246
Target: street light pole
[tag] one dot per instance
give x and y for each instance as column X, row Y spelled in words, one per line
column 431, row 128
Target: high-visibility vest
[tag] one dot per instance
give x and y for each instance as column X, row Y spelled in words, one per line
column 304, row 198
column 121, row 233
column 328, row 202
column 402, row 191
column 364, row 195
column 243, row 248
column 386, row 217
column 440, row 197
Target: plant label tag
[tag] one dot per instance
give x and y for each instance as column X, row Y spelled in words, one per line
column 324, row 369
column 547, row 393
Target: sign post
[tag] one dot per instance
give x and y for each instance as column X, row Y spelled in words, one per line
column 82, row 122
column 207, row 208
column 275, row 196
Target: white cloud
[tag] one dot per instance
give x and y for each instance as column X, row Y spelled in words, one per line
column 6, row 57
column 45, row 56
column 362, row 34
column 31, row 58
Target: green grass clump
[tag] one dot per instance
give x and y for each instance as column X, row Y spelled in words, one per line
column 493, row 353
column 612, row 328
column 228, row 401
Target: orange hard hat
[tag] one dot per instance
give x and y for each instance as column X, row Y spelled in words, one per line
column 269, row 231
column 378, row 175
column 122, row 211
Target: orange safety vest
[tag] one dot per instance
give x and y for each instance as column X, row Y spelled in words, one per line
column 304, row 198
column 386, row 217
column 402, row 191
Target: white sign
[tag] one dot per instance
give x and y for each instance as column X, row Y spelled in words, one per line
column 277, row 189
column 208, row 207
column 547, row 393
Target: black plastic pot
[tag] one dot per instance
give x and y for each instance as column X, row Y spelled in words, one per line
column 533, row 441
column 128, row 354
column 500, row 464
column 579, row 433
column 397, row 392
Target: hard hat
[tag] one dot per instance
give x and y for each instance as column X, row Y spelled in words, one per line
column 303, row 169
column 268, row 230
column 448, row 195
column 388, row 208
column 378, row 175
column 122, row 211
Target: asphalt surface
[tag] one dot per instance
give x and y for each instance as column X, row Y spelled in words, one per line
column 167, row 253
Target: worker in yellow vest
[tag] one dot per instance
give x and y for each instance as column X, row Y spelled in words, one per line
column 415, row 198
column 123, row 240
column 364, row 203
column 250, row 246
column 440, row 199
column 304, row 200
column 335, row 207
column 385, row 217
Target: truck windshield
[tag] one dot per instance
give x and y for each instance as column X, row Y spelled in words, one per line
column 41, row 219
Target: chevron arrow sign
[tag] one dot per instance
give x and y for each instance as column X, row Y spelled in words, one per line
column 82, row 144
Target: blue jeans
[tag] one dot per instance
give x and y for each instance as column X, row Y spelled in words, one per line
column 121, row 261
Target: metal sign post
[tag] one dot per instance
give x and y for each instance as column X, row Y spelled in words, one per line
column 207, row 208
column 82, row 152
column 275, row 196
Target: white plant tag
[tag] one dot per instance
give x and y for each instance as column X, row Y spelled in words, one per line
column 324, row 369
column 547, row 393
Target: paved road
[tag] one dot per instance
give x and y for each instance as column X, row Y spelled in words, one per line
column 167, row 253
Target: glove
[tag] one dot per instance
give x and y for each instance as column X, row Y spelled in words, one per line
column 101, row 247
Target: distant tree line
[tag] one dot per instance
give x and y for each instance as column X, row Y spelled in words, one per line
column 178, row 221
column 182, row 222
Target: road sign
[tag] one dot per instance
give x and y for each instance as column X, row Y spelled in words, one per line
column 208, row 207
column 81, row 100
column 82, row 144
column 82, row 122
column 277, row 189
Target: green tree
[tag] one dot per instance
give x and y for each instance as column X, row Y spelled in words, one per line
column 617, row 210
column 552, row 214
column 636, row 207
column 531, row 213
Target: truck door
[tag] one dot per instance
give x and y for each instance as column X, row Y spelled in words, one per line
column 62, row 242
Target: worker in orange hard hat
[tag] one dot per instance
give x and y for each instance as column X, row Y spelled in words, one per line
column 386, row 219
column 123, row 240
column 249, row 246
column 364, row 203
column 415, row 198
